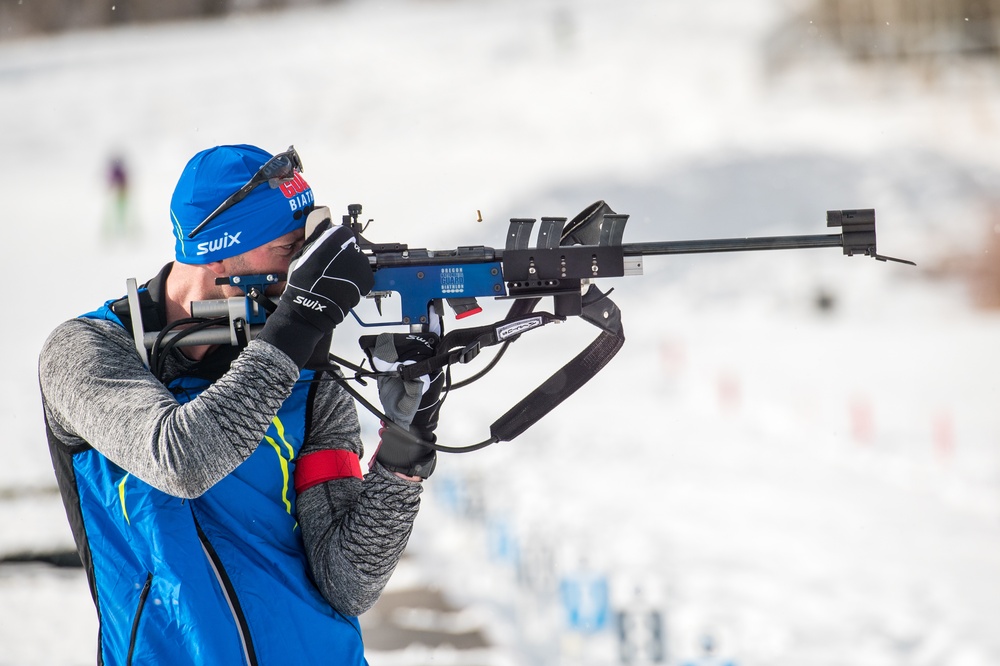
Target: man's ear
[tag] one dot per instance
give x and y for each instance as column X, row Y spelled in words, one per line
column 218, row 268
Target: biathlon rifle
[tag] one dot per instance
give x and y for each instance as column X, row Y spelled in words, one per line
column 565, row 258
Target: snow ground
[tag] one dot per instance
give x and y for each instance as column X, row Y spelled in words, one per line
column 805, row 486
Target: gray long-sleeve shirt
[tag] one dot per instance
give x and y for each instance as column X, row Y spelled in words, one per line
column 97, row 392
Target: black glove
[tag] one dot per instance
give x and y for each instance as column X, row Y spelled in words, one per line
column 413, row 404
column 326, row 278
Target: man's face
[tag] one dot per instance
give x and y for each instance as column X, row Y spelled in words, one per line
column 272, row 257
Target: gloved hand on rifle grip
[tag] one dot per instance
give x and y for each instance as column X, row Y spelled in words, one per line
column 326, row 278
column 411, row 404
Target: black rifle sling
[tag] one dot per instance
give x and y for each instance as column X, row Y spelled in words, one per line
column 600, row 311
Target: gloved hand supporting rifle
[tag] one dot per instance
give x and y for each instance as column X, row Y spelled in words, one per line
column 326, row 278
column 411, row 404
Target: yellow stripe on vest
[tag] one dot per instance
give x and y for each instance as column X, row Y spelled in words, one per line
column 121, row 496
column 283, row 461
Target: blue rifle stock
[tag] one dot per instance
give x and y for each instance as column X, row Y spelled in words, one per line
column 422, row 276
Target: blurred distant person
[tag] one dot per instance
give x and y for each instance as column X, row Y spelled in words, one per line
column 117, row 220
column 217, row 498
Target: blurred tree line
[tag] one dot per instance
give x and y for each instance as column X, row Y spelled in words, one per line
column 903, row 29
column 27, row 17
column 881, row 31
column 865, row 29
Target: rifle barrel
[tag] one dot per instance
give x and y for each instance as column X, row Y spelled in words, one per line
column 733, row 244
column 488, row 254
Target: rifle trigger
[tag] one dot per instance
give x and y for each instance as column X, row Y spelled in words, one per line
column 464, row 307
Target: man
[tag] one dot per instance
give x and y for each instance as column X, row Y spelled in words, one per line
column 216, row 497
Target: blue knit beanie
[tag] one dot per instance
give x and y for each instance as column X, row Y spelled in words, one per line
column 265, row 214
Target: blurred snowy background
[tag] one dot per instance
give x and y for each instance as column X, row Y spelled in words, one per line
column 796, row 457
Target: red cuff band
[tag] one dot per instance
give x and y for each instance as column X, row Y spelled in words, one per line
column 328, row 465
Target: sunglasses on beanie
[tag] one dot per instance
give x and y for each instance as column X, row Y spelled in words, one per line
column 275, row 171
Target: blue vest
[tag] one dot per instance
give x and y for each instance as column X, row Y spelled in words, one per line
column 221, row 579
